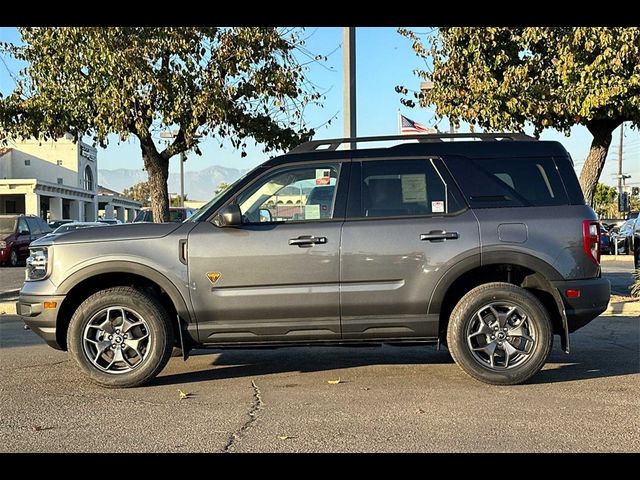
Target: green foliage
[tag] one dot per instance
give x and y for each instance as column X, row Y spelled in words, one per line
column 604, row 201
column 221, row 188
column 140, row 192
column 231, row 83
column 635, row 286
column 500, row 78
column 175, row 201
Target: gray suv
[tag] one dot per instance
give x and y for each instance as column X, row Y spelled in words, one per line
column 485, row 246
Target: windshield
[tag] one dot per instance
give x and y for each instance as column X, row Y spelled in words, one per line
column 196, row 217
column 7, row 225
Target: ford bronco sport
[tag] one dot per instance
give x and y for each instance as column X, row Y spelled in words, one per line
column 486, row 246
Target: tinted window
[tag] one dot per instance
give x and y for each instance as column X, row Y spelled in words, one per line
column 570, row 180
column 34, row 226
column 44, row 226
column 291, row 194
column 22, row 226
column 508, row 182
column 391, row 188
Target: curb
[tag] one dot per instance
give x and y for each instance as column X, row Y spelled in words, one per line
column 8, row 308
column 623, row 309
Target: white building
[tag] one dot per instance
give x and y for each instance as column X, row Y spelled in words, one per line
column 56, row 180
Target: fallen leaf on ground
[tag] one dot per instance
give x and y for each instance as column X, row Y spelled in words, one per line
column 421, row 410
column 183, row 396
column 334, row 382
column 40, row 428
column 286, row 437
column 366, row 388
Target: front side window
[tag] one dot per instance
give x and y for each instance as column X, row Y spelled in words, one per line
column 392, row 188
column 22, row 226
column 291, row 194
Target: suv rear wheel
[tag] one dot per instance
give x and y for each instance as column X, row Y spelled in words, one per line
column 120, row 337
column 500, row 334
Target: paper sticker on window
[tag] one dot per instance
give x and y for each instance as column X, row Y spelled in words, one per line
column 323, row 176
column 311, row 212
column 437, row 206
column 414, row 188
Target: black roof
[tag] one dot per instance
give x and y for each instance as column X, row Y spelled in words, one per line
column 474, row 149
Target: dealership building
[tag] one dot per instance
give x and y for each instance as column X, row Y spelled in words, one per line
column 56, row 180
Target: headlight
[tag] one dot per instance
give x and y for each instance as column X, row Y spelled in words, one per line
column 3, row 245
column 37, row 263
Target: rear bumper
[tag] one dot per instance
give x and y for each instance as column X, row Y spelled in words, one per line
column 42, row 321
column 593, row 300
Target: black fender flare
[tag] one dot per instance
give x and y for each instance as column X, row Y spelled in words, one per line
column 116, row 266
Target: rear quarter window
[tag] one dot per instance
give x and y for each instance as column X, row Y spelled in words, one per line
column 509, row 182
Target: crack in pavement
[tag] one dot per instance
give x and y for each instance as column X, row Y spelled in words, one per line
column 253, row 412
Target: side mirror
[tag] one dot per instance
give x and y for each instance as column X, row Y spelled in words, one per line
column 265, row 215
column 229, row 216
column 24, row 232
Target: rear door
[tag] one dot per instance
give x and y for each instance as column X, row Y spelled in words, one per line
column 23, row 237
column 406, row 226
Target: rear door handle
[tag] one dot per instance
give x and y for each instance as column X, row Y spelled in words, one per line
column 439, row 236
column 307, row 241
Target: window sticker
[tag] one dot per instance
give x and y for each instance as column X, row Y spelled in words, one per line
column 414, row 188
column 311, row 212
column 323, row 176
column 437, row 206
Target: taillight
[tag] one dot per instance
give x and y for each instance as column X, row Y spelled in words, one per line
column 591, row 240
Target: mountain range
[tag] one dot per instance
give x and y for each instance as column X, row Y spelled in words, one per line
column 198, row 185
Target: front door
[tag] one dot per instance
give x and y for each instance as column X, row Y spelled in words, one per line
column 403, row 230
column 275, row 277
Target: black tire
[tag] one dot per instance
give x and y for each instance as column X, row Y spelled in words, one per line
column 13, row 258
column 158, row 324
column 637, row 259
column 465, row 313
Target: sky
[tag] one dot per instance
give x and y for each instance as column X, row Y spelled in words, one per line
column 384, row 59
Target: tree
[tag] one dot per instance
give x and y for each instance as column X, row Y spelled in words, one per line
column 604, row 201
column 551, row 77
column 221, row 188
column 233, row 83
column 140, row 192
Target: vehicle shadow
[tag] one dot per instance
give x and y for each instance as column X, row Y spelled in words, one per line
column 585, row 362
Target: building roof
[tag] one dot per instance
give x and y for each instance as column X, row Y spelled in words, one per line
column 4, row 150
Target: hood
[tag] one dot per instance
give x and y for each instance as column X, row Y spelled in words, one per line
column 109, row 233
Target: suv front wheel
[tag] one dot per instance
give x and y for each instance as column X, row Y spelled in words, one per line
column 500, row 334
column 120, row 337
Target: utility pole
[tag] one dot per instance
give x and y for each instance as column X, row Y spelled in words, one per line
column 620, row 175
column 183, row 158
column 349, row 81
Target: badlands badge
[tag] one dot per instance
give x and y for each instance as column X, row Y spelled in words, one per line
column 213, row 276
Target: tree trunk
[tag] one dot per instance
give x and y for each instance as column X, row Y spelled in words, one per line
column 593, row 165
column 158, row 171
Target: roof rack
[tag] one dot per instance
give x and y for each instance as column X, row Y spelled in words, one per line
column 334, row 143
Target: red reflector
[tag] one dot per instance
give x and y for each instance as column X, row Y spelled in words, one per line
column 572, row 292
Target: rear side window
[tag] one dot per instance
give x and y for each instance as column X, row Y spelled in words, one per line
column 34, row 226
column 509, row 182
column 392, row 188
column 570, row 180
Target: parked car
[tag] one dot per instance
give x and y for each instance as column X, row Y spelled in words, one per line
column 109, row 221
column 70, row 227
column 624, row 237
column 176, row 214
column 56, row 223
column 606, row 246
column 486, row 247
column 16, row 233
column 636, row 243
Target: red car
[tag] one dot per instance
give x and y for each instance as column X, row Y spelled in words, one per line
column 16, row 233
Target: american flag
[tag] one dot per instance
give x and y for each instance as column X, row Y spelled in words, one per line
column 408, row 126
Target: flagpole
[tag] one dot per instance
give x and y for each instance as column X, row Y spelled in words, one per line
column 399, row 124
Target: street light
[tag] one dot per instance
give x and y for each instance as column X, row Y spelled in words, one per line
column 183, row 158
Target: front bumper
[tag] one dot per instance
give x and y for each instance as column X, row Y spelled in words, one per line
column 593, row 300
column 39, row 319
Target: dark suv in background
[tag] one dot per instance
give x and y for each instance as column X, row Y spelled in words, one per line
column 16, row 233
column 485, row 246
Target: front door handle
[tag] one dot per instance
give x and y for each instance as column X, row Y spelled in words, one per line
column 307, row 241
column 439, row 236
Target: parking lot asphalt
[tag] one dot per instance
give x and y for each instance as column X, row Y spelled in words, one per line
column 388, row 399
